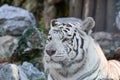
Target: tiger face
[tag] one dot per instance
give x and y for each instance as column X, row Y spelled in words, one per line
column 65, row 45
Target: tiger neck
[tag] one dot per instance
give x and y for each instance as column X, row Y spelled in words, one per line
column 77, row 76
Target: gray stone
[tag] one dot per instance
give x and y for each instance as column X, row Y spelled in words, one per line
column 9, row 72
column 26, row 71
column 7, row 46
column 22, row 75
column 31, row 72
column 14, row 20
column 103, row 38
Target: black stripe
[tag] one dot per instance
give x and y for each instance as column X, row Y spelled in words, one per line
column 83, row 55
column 69, row 49
column 77, row 48
column 68, row 29
column 69, row 35
column 73, row 36
column 65, row 39
column 65, row 31
column 68, row 25
column 82, row 42
column 89, row 73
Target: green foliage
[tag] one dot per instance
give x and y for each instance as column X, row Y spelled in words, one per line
column 42, row 29
column 42, row 25
column 41, row 79
column 31, row 35
column 29, row 32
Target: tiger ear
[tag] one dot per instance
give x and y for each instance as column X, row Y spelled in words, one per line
column 87, row 25
column 54, row 22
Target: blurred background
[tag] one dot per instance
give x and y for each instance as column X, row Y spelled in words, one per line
column 103, row 11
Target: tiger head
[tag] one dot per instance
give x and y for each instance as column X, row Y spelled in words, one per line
column 67, row 44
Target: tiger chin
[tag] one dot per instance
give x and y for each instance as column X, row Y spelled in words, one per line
column 72, row 54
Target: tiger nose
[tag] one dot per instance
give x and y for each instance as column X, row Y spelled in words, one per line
column 50, row 52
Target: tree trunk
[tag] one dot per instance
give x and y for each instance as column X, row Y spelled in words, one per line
column 111, row 8
column 76, row 7
column 100, row 15
column 88, row 8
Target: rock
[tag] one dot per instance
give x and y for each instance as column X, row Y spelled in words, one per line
column 34, row 6
column 102, row 36
column 31, row 72
column 22, row 75
column 9, row 72
column 26, row 71
column 14, row 20
column 7, row 46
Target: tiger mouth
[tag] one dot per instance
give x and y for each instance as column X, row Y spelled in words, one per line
column 52, row 60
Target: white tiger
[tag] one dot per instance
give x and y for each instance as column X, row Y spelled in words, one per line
column 72, row 54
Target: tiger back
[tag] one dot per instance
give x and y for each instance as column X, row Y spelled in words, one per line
column 72, row 54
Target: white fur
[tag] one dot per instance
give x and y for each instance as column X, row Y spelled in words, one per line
column 94, row 65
